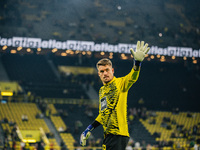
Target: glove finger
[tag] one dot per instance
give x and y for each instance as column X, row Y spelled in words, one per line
column 132, row 52
column 138, row 45
column 82, row 140
column 87, row 135
column 145, row 47
column 142, row 44
column 147, row 50
column 83, row 143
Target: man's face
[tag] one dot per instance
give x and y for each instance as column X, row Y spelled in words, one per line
column 106, row 73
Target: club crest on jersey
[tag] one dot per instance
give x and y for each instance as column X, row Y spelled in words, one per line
column 103, row 103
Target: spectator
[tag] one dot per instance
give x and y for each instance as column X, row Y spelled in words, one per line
column 24, row 117
column 41, row 146
column 51, row 146
column 130, row 118
column 149, row 147
column 61, row 129
column 89, row 113
column 143, row 144
column 98, row 142
column 129, row 147
column 11, row 123
column 78, row 125
column 195, row 128
column 196, row 147
column 27, row 146
column 137, row 145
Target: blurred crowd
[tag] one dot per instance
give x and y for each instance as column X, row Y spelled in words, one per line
column 160, row 23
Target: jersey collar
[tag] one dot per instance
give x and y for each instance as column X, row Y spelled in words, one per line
column 110, row 81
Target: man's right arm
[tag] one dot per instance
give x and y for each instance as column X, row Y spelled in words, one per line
column 85, row 135
column 98, row 118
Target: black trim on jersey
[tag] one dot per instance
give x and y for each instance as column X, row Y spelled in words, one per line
column 95, row 124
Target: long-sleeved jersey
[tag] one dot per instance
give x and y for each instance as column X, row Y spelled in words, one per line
column 113, row 104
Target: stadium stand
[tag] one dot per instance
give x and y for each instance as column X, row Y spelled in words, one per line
column 163, row 104
column 173, row 129
column 73, row 111
column 61, row 127
column 15, row 112
column 19, row 117
column 35, row 68
column 32, row 77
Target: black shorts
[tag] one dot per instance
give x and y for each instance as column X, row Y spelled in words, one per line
column 115, row 142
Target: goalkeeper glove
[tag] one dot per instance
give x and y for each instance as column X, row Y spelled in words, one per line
column 141, row 51
column 85, row 135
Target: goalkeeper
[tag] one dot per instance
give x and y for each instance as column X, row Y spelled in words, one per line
column 113, row 101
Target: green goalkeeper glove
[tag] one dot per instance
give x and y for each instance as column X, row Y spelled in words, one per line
column 141, row 51
column 85, row 135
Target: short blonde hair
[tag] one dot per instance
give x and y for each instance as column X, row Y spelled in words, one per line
column 104, row 62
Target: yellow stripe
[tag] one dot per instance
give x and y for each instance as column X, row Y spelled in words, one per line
column 104, row 147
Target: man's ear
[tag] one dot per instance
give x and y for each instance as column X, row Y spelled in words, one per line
column 113, row 70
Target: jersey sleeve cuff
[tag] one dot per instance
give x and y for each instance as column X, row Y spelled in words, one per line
column 138, row 63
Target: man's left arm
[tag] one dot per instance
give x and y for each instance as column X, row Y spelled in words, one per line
column 131, row 78
column 139, row 55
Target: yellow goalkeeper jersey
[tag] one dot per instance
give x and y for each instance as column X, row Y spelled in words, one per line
column 113, row 104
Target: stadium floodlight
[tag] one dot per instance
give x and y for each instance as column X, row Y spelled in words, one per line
column 6, row 93
column 28, row 50
column 173, row 57
column 162, row 59
column 54, row 50
column 63, row 54
column 4, row 47
column 152, row 56
column 158, row 56
column 102, row 53
column 89, row 52
column 19, row 48
column 77, row 51
column 13, row 51
column 83, row 53
column 111, row 57
column 194, row 61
